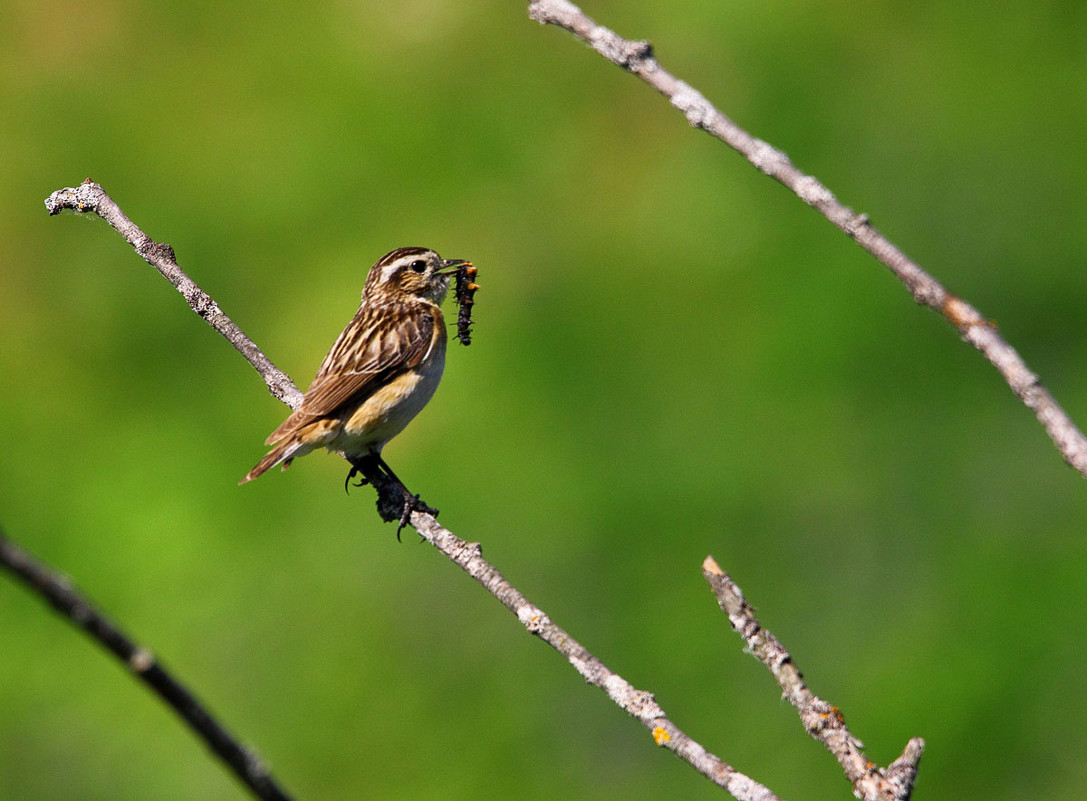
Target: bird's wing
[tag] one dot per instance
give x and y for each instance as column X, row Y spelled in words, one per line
column 372, row 349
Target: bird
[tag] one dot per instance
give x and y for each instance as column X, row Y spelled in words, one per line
column 382, row 370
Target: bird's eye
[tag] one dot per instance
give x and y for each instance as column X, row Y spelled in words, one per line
column 418, row 266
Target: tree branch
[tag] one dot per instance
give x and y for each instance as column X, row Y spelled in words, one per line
column 637, row 703
column 90, row 197
column 822, row 721
column 55, row 589
column 637, row 57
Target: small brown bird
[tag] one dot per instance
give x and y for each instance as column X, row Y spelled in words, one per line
column 381, row 371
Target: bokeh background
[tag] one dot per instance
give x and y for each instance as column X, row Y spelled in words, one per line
column 674, row 357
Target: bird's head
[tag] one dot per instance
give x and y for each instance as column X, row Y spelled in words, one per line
column 407, row 273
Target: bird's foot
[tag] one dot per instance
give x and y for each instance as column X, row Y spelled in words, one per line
column 394, row 500
column 413, row 503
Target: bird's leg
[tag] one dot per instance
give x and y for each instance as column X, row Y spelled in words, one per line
column 412, row 503
column 376, row 471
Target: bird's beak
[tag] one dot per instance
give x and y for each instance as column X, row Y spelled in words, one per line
column 450, row 266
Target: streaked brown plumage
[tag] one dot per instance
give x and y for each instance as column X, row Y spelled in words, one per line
column 382, row 369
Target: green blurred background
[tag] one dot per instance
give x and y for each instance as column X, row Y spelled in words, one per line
column 674, row 357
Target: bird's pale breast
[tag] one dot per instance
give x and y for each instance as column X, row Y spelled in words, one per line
column 385, row 413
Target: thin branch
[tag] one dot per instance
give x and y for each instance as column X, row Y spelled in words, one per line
column 90, row 197
column 637, row 703
column 55, row 589
column 822, row 721
column 637, row 57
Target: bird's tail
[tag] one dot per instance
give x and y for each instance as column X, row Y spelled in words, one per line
column 284, row 452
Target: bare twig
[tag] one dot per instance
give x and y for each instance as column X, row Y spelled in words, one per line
column 54, row 588
column 637, row 57
column 822, row 721
column 89, row 197
column 638, row 703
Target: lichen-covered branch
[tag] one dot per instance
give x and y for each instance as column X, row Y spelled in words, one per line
column 90, row 198
column 822, row 721
column 637, row 57
column 638, row 703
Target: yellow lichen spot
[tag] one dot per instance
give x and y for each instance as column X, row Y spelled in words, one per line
column 710, row 566
column 660, row 735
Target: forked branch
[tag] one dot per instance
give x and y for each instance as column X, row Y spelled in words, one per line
column 637, row 703
column 91, row 198
column 822, row 721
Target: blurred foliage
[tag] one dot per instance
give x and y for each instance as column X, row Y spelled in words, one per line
column 673, row 357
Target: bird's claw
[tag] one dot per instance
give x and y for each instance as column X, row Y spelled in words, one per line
column 347, row 481
column 413, row 503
